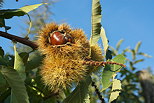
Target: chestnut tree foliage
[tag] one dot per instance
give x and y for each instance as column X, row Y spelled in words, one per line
column 20, row 81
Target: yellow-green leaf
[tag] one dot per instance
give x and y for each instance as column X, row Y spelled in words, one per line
column 29, row 8
column 116, row 87
column 104, row 40
column 19, row 65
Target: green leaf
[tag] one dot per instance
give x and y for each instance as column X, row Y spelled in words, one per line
column 9, row 13
column 137, row 46
column 17, row 85
column 24, row 57
column 19, row 65
column 110, row 70
column 116, row 87
column 96, row 22
column 119, row 44
column 2, row 80
column 137, row 61
column 104, row 40
column 133, row 54
column 1, row 52
column 2, row 22
column 144, row 54
column 34, row 62
column 29, row 8
column 79, row 95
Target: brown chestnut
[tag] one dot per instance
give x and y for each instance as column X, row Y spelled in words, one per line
column 59, row 38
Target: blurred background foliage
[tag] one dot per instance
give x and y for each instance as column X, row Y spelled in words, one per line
column 137, row 83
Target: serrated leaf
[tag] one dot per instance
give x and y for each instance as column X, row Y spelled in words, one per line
column 110, row 70
column 80, row 92
column 96, row 22
column 104, row 40
column 137, row 46
column 17, row 85
column 119, row 44
column 144, row 54
column 19, row 65
column 116, row 87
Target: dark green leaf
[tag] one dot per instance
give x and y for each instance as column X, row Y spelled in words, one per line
column 2, row 22
column 2, row 80
column 24, row 57
column 1, row 52
column 9, row 13
column 109, row 71
column 96, row 22
column 80, row 92
column 34, row 62
column 16, row 83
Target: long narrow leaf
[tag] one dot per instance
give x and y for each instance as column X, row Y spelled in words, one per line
column 119, row 44
column 104, row 40
column 96, row 22
column 137, row 46
column 19, row 65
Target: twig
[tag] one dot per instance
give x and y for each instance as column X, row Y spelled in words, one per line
column 18, row 39
column 98, row 92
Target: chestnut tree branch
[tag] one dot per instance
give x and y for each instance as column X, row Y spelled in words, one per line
column 19, row 39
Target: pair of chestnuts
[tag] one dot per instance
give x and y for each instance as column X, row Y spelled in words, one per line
column 60, row 38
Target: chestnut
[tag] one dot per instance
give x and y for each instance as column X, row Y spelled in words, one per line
column 59, row 38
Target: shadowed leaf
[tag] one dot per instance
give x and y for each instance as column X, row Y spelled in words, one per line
column 79, row 95
column 17, row 85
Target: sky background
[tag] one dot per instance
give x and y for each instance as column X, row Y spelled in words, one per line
column 131, row 20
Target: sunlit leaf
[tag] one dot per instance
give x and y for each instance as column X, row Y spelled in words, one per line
column 19, row 65
column 104, row 40
column 9, row 13
column 119, row 44
column 110, row 70
column 29, row 8
column 144, row 54
column 116, row 87
column 96, row 22
column 137, row 46
column 79, row 95
column 17, row 85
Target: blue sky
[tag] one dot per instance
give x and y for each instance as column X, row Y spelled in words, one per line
column 131, row 20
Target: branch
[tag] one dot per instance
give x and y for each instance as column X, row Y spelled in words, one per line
column 19, row 39
column 98, row 92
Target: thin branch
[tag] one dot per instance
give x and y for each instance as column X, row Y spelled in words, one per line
column 98, row 92
column 18, row 39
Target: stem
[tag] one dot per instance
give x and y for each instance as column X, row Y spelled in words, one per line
column 19, row 39
column 98, row 92
column 101, row 63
